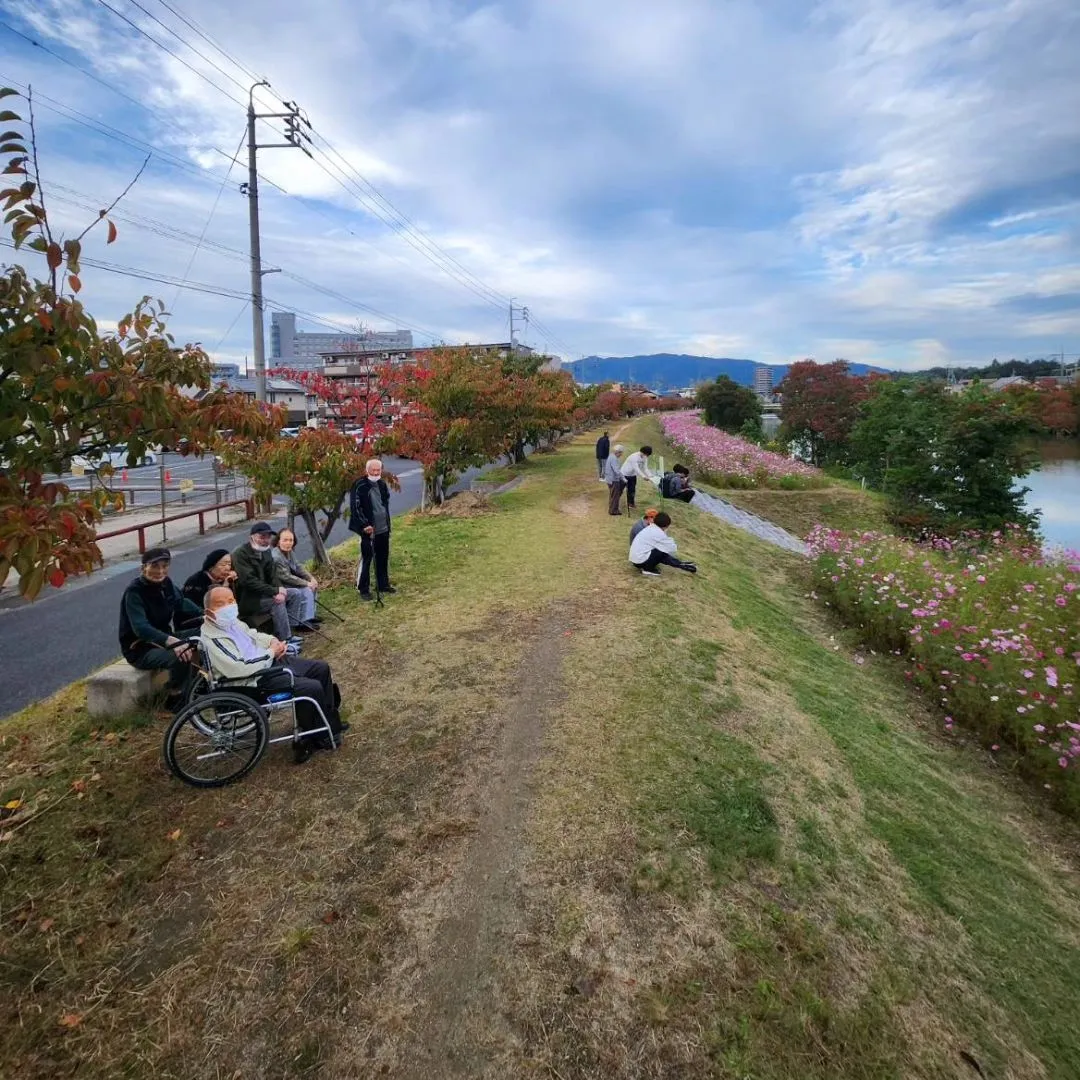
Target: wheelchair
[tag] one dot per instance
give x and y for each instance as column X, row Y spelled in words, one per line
column 223, row 729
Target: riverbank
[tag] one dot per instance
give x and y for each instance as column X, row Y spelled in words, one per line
column 585, row 824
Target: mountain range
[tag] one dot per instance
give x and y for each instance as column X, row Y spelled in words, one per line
column 673, row 371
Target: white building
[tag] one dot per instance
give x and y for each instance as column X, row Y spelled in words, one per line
column 301, row 349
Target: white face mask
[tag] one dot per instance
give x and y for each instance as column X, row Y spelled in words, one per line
column 228, row 613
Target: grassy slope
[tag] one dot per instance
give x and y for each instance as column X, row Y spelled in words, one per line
column 840, row 506
column 750, row 856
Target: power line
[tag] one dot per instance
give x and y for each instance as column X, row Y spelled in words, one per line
column 192, row 25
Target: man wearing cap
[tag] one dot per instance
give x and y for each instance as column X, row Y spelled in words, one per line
column 369, row 515
column 614, row 478
column 155, row 616
column 256, row 586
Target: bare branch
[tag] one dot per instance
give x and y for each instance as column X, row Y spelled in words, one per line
column 105, row 213
column 37, row 177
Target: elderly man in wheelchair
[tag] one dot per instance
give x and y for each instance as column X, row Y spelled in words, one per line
column 247, row 677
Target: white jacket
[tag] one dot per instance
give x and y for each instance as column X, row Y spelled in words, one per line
column 649, row 539
column 636, row 465
column 229, row 661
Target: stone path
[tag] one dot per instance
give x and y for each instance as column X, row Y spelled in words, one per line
column 742, row 519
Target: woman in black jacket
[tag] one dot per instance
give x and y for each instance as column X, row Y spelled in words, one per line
column 216, row 570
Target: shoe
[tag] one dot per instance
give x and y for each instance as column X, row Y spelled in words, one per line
column 389, row 590
column 303, row 628
column 690, row 568
column 345, row 726
column 650, row 573
column 292, row 650
column 294, row 640
column 302, row 749
column 363, row 595
column 314, row 621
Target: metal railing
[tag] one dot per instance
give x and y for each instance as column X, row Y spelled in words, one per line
column 161, row 522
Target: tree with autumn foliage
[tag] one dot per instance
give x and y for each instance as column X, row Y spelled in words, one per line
column 314, row 471
column 445, row 424
column 820, row 406
column 66, row 389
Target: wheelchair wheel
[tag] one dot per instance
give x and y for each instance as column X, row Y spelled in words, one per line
column 197, row 687
column 216, row 739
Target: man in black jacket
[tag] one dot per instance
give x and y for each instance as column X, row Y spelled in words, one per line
column 603, row 452
column 369, row 516
column 154, row 616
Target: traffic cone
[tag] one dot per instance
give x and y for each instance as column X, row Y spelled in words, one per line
column 168, row 476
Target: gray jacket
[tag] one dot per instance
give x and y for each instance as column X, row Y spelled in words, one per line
column 613, row 470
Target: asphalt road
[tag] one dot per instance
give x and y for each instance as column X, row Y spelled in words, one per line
column 68, row 632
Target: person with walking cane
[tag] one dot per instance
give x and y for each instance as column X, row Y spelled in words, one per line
column 369, row 516
column 615, row 482
column 603, row 449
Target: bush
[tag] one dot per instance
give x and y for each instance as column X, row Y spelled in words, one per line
column 991, row 630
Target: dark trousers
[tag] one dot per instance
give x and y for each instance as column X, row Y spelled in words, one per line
column 631, row 492
column 311, row 678
column 685, row 495
column 161, row 659
column 614, row 496
column 377, row 545
column 659, row 558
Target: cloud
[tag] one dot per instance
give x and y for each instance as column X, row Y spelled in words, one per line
column 890, row 180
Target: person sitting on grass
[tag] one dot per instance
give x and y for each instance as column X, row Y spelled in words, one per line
column 295, row 579
column 216, row 570
column 645, row 519
column 676, row 484
column 155, row 617
column 236, row 652
column 653, row 548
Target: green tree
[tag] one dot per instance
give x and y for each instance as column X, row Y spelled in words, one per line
column 727, row 405
column 66, row 389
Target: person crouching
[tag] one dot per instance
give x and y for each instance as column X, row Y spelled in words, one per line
column 237, row 652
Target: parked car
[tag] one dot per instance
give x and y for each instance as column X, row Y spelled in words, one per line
column 289, row 432
column 116, row 456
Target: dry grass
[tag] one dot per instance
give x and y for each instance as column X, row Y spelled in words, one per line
column 584, row 825
column 839, row 506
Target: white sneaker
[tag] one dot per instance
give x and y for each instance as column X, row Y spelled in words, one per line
column 651, row 573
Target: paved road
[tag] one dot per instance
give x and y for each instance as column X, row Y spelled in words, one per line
column 67, row 633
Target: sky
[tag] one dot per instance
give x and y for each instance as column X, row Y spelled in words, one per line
column 894, row 182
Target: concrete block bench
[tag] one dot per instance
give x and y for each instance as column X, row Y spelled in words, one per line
column 120, row 689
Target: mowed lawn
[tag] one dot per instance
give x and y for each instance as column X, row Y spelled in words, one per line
column 736, row 848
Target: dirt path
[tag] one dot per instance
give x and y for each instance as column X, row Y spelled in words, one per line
column 458, row 1028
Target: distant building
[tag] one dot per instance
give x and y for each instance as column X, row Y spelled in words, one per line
column 224, row 371
column 298, row 404
column 294, row 348
column 763, row 380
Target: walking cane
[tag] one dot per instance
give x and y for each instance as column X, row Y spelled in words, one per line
column 328, row 610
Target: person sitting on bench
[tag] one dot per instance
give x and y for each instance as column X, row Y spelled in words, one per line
column 294, row 578
column 216, row 570
column 653, row 548
column 153, row 614
column 256, row 586
column 248, row 658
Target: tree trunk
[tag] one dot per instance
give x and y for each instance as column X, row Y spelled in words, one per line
column 318, row 547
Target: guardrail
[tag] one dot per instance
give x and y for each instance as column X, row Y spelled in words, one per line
column 249, row 513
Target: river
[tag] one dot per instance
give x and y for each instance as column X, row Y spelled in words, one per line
column 1055, row 490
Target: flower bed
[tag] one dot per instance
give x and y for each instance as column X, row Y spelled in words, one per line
column 729, row 461
column 992, row 634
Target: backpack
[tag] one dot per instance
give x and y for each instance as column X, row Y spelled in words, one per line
column 667, row 485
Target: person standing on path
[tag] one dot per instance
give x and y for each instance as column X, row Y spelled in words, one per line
column 603, row 451
column 369, row 516
column 615, row 482
column 634, row 467
column 256, row 587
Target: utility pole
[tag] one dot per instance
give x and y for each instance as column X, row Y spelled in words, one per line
column 295, row 137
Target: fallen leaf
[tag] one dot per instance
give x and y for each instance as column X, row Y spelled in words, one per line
column 14, row 804
column 71, row 1020
column 6, row 836
column 96, row 776
column 78, row 785
column 81, row 939
column 330, row 917
column 46, row 925
column 174, row 835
